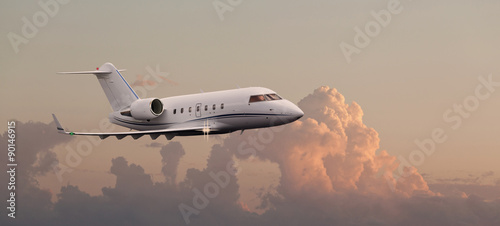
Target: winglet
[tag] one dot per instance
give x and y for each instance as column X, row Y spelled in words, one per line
column 59, row 127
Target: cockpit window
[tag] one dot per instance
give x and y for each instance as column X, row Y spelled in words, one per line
column 257, row 98
column 273, row 96
column 265, row 97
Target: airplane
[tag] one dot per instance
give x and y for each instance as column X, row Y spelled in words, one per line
column 204, row 113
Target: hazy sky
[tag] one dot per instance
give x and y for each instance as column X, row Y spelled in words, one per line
column 429, row 57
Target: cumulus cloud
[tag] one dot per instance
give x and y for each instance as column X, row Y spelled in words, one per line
column 136, row 200
column 34, row 142
column 171, row 154
column 329, row 151
column 330, row 174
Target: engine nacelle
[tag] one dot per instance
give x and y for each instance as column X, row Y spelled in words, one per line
column 146, row 108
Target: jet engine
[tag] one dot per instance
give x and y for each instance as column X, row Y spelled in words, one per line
column 146, row 108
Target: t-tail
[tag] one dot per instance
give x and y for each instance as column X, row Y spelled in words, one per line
column 119, row 93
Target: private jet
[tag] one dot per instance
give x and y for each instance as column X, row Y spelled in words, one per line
column 203, row 113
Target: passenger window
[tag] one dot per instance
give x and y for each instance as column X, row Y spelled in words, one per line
column 206, row 107
column 190, row 109
column 175, row 111
column 213, row 107
column 182, row 110
column 222, row 106
column 257, row 98
column 197, row 108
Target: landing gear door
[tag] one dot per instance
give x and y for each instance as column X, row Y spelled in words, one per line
column 198, row 110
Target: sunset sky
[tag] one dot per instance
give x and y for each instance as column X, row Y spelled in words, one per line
column 415, row 75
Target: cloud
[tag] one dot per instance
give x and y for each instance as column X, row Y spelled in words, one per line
column 130, row 179
column 135, row 199
column 171, row 154
column 472, row 179
column 485, row 191
column 34, row 142
column 329, row 151
column 154, row 145
column 330, row 174
column 488, row 174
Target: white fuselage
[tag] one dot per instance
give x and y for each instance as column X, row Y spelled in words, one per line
column 222, row 111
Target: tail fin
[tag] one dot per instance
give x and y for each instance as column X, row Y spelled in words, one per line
column 119, row 93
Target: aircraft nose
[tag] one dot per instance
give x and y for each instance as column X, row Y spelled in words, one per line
column 297, row 112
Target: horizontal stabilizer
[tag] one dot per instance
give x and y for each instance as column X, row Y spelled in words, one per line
column 119, row 93
column 88, row 72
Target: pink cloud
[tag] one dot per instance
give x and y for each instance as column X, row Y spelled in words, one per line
column 331, row 151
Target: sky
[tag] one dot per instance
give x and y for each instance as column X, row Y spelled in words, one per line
column 400, row 123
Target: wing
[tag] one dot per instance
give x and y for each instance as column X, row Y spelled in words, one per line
column 169, row 133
